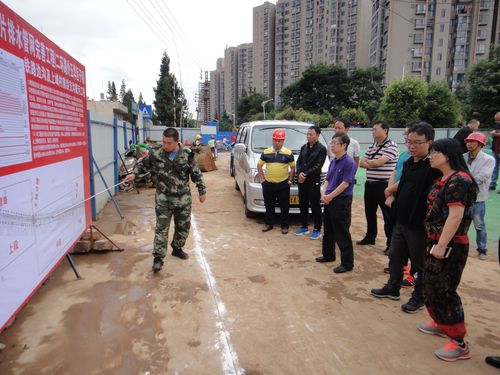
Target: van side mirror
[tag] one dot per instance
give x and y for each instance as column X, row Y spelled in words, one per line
column 240, row 147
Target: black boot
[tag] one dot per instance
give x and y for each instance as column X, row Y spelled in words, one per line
column 179, row 254
column 157, row 264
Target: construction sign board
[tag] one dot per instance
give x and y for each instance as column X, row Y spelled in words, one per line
column 44, row 162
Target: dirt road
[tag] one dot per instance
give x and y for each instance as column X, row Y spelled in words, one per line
column 246, row 302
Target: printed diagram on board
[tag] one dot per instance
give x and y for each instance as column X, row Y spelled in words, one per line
column 15, row 141
column 42, row 206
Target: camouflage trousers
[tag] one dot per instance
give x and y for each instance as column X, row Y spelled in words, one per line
column 181, row 212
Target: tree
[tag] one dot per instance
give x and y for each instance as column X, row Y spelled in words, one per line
column 112, row 96
column 321, row 88
column 404, row 100
column 141, row 99
column 128, row 99
column 366, row 90
column 442, row 109
column 250, row 105
column 170, row 103
column 354, row 114
column 483, row 87
column 123, row 90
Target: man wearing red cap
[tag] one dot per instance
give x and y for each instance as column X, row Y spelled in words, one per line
column 280, row 168
column 481, row 168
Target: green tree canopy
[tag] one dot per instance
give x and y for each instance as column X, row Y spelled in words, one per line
column 128, row 99
column 442, row 109
column 321, row 88
column 404, row 100
column 483, row 87
column 354, row 114
column 366, row 90
column 250, row 107
column 170, row 103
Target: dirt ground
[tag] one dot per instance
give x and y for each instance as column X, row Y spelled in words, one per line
column 245, row 302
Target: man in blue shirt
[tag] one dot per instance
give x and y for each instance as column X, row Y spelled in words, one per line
column 337, row 196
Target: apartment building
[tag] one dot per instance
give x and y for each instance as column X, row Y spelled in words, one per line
column 429, row 39
column 217, row 91
column 319, row 32
column 230, row 80
column 263, row 48
column 244, row 69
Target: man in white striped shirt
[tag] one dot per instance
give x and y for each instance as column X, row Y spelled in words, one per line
column 379, row 161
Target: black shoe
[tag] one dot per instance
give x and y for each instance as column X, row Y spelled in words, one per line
column 267, row 228
column 493, row 361
column 180, row 254
column 412, row 306
column 322, row 259
column 157, row 264
column 386, row 292
column 366, row 241
column 341, row 269
column 284, row 230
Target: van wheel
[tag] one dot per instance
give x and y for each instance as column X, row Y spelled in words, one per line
column 249, row 214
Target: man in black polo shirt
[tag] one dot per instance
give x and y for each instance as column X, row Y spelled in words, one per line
column 408, row 236
column 309, row 163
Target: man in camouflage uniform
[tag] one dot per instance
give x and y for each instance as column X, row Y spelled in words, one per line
column 173, row 164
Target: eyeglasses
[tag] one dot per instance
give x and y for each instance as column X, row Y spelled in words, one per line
column 335, row 143
column 414, row 143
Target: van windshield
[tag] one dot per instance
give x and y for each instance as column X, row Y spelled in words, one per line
column 295, row 137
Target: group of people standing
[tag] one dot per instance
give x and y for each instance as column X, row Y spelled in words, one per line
column 428, row 195
column 428, row 203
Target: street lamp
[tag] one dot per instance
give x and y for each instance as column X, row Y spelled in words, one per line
column 264, row 106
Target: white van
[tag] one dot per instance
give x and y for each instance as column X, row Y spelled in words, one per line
column 252, row 139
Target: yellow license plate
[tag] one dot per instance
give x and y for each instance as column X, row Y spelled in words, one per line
column 294, row 199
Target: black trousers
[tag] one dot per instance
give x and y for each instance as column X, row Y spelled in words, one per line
column 280, row 192
column 441, row 280
column 407, row 243
column 374, row 198
column 309, row 194
column 337, row 221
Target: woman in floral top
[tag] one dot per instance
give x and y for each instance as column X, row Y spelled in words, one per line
column 449, row 215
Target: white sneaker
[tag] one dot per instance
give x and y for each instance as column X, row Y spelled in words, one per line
column 483, row 256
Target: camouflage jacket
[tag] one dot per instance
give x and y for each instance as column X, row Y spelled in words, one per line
column 172, row 175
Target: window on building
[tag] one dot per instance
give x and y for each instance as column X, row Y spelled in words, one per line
column 481, row 34
column 443, row 12
column 438, row 71
column 480, row 49
column 440, row 42
column 417, row 52
column 419, row 23
column 440, row 56
column 441, row 27
column 416, row 66
column 483, row 19
column 484, row 4
column 420, row 9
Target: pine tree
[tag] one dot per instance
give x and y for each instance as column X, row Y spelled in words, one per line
column 114, row 96
column 123, row 90
column 128, row 99
column 141, row 99
column 170, row 103
column 109, row 92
